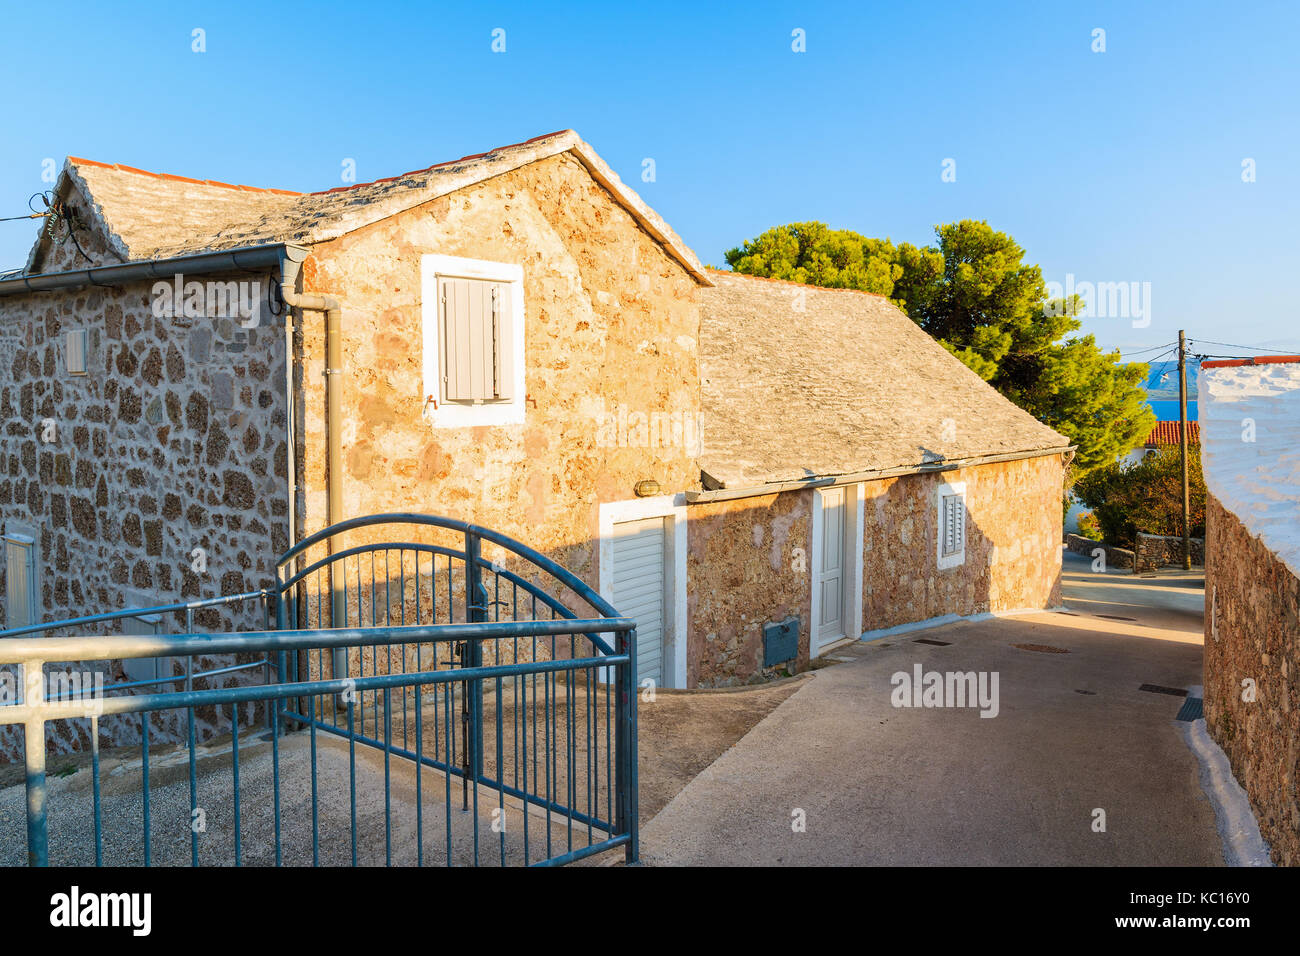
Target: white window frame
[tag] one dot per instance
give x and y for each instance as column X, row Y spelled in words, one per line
column 27, row 537
column 673, row 508
column 947, row 561
column 454, row 414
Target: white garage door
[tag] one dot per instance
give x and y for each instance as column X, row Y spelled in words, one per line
column 638, row 590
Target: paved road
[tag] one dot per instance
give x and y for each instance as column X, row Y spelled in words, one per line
column 878, row 784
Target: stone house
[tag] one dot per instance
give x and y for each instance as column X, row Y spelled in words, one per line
column 514, row 339
column 1250, row 425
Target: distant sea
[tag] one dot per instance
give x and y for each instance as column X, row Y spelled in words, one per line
column 1167, row 411
column 1162, row 390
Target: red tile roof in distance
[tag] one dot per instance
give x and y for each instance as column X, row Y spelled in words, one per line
column 1167, row 433
column 1257, row 360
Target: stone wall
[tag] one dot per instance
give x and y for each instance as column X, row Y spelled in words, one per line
column 1252, row 633
column 173, row 440
column 1155, row 551
column 1013, row 549
column 1115, row 557
column 610, row 322
column 749, row 562
column 747, row 565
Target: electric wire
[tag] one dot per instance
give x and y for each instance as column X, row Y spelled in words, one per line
column 1229, row 345
column 1143, row 351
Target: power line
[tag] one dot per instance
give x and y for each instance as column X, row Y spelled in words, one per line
column 1153, row 348
column 1162, row 356
column 1229, row 345
column 1167, row 346
column 51, row 207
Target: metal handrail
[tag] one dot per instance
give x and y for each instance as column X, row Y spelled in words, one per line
column 177, row 678
column 252, row 693
column 129, row 646
column 135, row 612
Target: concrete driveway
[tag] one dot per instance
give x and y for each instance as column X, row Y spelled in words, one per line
column 877, row 784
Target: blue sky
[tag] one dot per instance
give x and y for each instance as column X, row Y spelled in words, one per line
column 1122, row 166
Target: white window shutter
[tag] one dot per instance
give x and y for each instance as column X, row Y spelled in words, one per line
column 479, row 307
column 457, row 374
column 20, row 581
column 950, row 539
column 503, row 333
column 476, row 335
column 953, row 518
column 74, row 352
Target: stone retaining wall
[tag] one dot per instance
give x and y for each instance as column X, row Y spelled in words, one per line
column 1115, row 557
column 1158, row 551
column 1252, row 674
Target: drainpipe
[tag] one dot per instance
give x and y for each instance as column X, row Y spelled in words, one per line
column 333, row 310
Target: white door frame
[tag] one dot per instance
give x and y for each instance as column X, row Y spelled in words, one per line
column 673, row 508
column 855, row 505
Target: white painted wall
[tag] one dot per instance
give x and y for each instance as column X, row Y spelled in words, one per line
column 1259, row 480
column 1136, row 455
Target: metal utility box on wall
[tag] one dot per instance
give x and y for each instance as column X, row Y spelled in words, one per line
column 780, row 641
column 145, row 668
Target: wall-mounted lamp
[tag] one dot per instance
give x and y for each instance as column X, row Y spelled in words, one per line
column 646, row 488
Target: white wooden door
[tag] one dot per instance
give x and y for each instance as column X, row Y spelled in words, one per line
column 831, row 579
column 638, row 592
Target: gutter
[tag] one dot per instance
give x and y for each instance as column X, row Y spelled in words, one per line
column 853, row 478
column 333, row 310
column 245, row 259
column 257, row 259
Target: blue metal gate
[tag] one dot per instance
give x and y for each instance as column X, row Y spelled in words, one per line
column 492, row 721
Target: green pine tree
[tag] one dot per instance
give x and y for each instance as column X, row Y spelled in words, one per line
column 974, row 293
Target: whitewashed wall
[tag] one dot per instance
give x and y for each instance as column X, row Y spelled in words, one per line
column 1257, row 480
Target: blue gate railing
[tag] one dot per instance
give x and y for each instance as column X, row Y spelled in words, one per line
column 426, row 702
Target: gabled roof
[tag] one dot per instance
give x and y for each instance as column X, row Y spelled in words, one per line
column 1169, row 433
column 154, row 216
column 801, row 382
